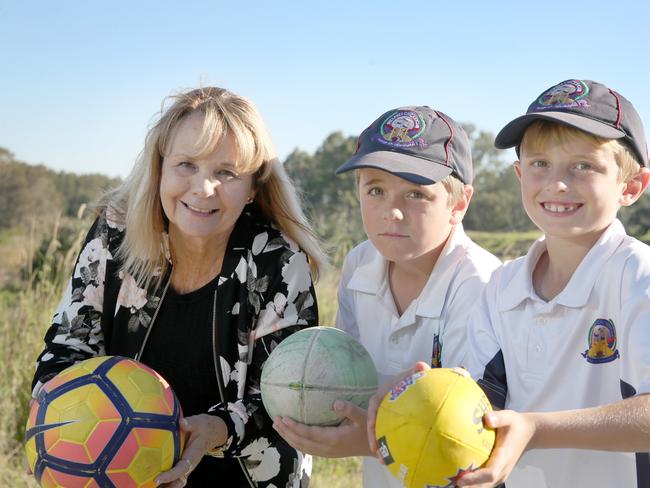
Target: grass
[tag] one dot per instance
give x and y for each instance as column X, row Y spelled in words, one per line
column 336, row 473
column 21, row 331
column 505, row 245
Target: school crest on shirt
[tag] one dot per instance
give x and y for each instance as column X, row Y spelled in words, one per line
column 601, row 341
column 402, row 128
column 568, row 94
column 436, row 352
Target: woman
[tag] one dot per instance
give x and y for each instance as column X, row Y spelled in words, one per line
column 198, row 265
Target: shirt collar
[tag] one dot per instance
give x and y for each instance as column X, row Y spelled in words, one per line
column 434, row 295
column 576, row 293
column 371, row 277
column 368, row 278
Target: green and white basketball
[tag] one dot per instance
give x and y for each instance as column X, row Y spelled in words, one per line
column 312, row 368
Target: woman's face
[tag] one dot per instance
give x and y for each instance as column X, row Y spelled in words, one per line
column 202, row 196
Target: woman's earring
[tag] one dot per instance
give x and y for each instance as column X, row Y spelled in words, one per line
column 249, row 200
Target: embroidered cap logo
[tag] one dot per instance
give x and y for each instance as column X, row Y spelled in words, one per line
column 403, row 129
column 565, row 95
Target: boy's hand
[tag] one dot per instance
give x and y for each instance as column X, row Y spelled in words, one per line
column 373, row 405
column 514, row 433
column 346, row 439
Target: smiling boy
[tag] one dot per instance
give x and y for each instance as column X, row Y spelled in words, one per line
column 562, row 333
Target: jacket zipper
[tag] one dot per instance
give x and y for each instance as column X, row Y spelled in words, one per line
column 153, row 319
column 217, row 369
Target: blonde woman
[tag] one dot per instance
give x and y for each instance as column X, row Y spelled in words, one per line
column 198, row 265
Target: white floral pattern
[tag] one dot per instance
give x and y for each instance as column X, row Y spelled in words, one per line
column 263, row 458
column 131, row 296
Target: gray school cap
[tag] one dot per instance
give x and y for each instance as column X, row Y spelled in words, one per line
column 417, row 143
column 585, row 105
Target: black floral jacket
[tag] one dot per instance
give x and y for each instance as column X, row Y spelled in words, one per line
column 265, row 291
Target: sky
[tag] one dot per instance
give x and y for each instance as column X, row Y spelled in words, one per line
column 82, row 81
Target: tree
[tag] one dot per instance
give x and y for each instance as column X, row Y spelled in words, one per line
column 27, row 193
column 331, row 200
column 496, row 204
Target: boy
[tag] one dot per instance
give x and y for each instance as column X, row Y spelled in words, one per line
column 563, row 331
column 406, row 293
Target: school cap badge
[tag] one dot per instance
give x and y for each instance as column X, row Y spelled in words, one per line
column 585, row 105
column 417, row 143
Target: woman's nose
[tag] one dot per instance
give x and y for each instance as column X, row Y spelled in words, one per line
column 204, row 187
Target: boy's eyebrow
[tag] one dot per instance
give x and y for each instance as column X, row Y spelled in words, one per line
column 374, row 181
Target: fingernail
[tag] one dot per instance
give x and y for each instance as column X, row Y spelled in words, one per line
column 338, row 405
column 183, row 423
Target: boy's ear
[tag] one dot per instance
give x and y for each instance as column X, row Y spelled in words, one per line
column 517, row 167
column 634, row 187
column 460, row 208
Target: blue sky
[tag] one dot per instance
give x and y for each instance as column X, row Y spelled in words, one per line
column 81, row 81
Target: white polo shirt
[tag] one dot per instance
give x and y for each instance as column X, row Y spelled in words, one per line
column 588, row 346
column 431, row 329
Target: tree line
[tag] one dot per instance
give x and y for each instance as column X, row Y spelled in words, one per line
column 35, row 193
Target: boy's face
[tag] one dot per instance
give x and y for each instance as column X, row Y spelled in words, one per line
column 572, row 191
column 403, row 220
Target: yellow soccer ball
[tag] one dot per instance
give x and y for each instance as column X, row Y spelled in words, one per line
column 104, row 422
column 430, row 428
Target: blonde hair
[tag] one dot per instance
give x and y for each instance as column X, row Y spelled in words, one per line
column 543, row 132
column 455, row 188
column 136, row 203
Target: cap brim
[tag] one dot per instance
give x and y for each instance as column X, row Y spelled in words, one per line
column 512, row 134
column 416, row 170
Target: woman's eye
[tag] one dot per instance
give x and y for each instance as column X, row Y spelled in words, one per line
column 375, row 191
column 185, row 167
column 538, row 164
column 226, row 173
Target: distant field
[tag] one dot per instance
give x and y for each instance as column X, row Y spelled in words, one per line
column 505, row 245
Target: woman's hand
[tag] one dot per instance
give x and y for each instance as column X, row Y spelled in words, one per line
column 514, row 433
column 204, row 432
column 346, row 439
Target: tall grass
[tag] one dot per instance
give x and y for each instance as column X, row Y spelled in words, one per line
column 25, row 312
